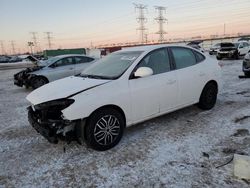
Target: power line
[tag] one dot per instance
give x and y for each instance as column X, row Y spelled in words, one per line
column 49, row 38
column 141, row 19
column 161, row 20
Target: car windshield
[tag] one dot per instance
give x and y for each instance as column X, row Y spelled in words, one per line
column 48, row 61
column 217, row 45
column 226, row 45
column 111, row 66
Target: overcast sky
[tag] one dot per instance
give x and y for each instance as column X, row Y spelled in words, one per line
column 77, row 23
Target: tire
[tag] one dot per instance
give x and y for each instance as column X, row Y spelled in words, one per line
column 99, row 136
column 38, row 82
column 237, row 56
column 208, row 96
column 247, row 74
column 218, row 57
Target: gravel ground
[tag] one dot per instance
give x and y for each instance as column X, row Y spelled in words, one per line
column 181, row 149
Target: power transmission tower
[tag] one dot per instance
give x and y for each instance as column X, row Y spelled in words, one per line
column 13, row 46
column 34, row 39
column 161, row 20
column 2, row 47
column 49, row 39
column 141, row 19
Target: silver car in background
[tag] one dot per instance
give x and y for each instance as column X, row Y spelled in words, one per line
column 52, row 69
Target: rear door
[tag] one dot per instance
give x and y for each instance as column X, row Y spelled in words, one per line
column 191, row 75
column 153, row 94
column 82, row 62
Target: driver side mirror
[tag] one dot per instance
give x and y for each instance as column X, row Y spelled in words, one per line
column 143, row 72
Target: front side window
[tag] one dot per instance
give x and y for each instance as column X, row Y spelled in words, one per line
column 111, row 66
column 64, row 62
column 157, row 60
column 79, row 60
column 183, row 57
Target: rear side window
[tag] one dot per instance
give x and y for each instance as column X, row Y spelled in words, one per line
column 183, row 57
column 64, row 62
column 199, row 56
column 79, row 60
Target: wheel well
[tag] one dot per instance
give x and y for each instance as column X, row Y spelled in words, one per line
column 43, row 77
column 113, row 107
column 212, row 82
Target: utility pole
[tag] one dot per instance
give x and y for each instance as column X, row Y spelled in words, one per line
column 161, row 20
column 2, row 47
column 224, row 33
column 34, row 39
column 12, row 43
column 141, row 20
column 49, row 39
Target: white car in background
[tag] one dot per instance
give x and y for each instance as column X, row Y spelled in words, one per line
column 124, row 88
column 52, row 69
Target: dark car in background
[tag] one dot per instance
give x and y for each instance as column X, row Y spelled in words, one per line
column 227, row 50
column 233, row 50
column 196, row 45
column 246, row 65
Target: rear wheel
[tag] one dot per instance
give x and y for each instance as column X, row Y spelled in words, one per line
column 38, row 82
column 104, row 129
column 247, row 74
column 208, row 96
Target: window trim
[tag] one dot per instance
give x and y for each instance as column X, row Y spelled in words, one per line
column 131, row 76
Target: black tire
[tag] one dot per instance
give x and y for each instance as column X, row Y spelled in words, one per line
column 247, row 74
column 208, row 96
column 218, row 57
column 37, row 82
column 98, row 133
column 237, row 55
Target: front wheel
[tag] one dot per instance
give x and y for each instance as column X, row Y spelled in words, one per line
column 38, row 82
column 218, row 57
column 208, row 96
column 247, row 74
column 104, row 129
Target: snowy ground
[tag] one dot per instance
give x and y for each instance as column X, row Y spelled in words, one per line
column 181, row 149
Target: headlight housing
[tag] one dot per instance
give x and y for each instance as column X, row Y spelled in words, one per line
column 58, row 104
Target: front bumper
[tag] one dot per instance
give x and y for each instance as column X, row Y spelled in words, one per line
column 52, row 130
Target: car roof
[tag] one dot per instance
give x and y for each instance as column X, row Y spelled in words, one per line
column 149, row 48
column 70, row 55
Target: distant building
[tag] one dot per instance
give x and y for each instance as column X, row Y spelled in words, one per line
column 51, row 53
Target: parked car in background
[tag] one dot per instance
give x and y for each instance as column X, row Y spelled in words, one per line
column 196, row 45
column 124, row 88
column 246, row 65
column 4, row 59
column 233, row 50
column 52, row 69
column 214, row 49
column 243, row 47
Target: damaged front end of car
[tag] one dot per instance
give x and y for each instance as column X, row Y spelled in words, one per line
column 23, row 78
column 47, row 119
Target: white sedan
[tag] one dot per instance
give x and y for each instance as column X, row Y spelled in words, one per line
column 122, row 89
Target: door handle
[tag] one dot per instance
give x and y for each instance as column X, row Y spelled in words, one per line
column 170, row 82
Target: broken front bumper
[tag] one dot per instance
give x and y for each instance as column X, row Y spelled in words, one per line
column 52, row 130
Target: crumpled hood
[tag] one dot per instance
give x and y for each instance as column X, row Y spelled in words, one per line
column 62, row 88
